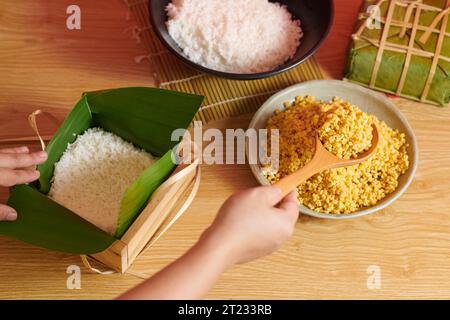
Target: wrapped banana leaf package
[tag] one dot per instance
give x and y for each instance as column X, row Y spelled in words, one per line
column 135, row 121
column 403, row 48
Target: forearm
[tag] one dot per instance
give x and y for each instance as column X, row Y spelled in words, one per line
column 189, row 277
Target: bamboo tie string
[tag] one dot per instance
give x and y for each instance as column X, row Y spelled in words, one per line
column 33, row 125
column 439, row 44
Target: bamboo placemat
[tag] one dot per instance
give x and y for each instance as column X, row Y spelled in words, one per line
column 223, row 98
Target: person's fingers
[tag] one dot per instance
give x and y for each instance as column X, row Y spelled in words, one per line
column 271, row 195
column 22, row 160
column 289, row 206
column 15, row 150
column 9, row 177
column 19, row 150
column 7, row 213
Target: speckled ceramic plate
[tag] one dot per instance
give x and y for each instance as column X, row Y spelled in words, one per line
column 367, row 100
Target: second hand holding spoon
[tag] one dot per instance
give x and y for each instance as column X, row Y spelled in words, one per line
column 324, row 160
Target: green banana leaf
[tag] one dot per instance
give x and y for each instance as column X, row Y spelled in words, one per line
column 44, row 223
column 363, row 54
column 78, row 121
column 144, row 116
column 137, row 195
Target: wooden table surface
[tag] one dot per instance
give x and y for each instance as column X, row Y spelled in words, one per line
column 45, row 66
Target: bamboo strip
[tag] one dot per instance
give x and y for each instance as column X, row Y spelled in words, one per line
column 403, row 49
column 391, row 92
column 442, row 16
column 115, row 256
column 382, row 43
column 407, row 17
column 409, row 53
column 402, row 24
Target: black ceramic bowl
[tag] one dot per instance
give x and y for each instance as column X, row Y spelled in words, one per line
column 316, row 17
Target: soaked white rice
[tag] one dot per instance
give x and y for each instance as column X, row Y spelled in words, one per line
column 239, row 36
column 93, row 174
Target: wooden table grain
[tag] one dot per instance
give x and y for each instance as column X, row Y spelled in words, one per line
column 45, row 66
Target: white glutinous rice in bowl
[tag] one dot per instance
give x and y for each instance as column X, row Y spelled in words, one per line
column 93, row 174
column 238, row 36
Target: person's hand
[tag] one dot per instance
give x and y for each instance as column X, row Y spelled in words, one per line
column 250, row 224
column 17, row 166
column 253, row 223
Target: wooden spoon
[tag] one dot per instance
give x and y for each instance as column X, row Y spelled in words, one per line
column 324, row 160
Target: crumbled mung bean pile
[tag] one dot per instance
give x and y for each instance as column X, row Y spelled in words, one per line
column 345, row 131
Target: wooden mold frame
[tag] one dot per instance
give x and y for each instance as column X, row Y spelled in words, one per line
column 165, row 206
